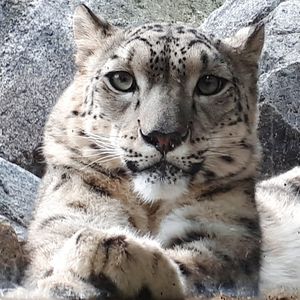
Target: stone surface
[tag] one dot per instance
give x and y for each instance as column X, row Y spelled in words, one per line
column 36, row 50
column 12, row 258
column 279, row 80
column 18, row 190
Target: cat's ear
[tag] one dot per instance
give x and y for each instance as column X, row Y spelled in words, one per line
column 90, row 31
column 247, row 43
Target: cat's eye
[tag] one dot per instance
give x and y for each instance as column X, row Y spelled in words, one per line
column 210, row 85
column 121, row 81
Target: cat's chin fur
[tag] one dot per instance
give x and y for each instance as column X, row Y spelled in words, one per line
column 150, row 192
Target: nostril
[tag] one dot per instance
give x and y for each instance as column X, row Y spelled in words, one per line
column 165, row 142
column 150, row 138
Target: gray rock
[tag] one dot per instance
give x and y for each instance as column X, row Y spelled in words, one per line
column 279, row 80
column 20, row 230
column 12, row 258
column 36, row 50
column 18, row 190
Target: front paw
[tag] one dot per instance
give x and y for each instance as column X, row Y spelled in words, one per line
column 123, row 260
column 135, row 263
column 131, row 263
column 93, row 254
column 70, row 288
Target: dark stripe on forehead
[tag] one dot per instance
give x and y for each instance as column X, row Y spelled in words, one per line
column 131, row 53
column 141, row 39
column 199, row 41
column 204, row 59
column 133, row 33
column 201, row 36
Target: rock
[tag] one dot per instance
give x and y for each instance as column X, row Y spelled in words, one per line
column 37, row 63
column 20, row 230
column 279, row 88
column 12, row 258
column 18, row 190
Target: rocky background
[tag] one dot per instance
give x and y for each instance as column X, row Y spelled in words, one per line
column 36, row 64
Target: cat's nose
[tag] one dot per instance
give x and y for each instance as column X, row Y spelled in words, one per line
column 165, row 142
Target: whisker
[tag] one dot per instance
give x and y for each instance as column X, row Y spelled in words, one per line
column 98, row 138
column 104, row 148
column 87, row 156
column 217, row 152
column 96, row 154
column 76, row 133
column 234, row 146
column 101, row 135
column 223, row 137
column 103, row 145
column 108, row 156
column 109, row 152
column 109, row 159
column 101, row 159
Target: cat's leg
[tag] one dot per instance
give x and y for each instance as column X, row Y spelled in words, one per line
column 130, row 262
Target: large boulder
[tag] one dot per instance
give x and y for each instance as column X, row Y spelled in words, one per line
column 18, row 189
column 36, row 65
column 12, row 258
column 279, row 79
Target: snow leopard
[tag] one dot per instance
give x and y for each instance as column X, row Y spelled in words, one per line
column 152, row 155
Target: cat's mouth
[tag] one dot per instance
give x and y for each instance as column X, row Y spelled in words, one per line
column 162, row 180
column 164, row 168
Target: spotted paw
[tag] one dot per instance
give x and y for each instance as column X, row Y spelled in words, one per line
column 131, row 263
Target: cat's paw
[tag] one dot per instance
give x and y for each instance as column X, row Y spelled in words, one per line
column 130, row 262
column 66, row 286
column 135, row 263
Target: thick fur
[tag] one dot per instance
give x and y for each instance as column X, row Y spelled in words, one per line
column 114, row 212
column 278, row 202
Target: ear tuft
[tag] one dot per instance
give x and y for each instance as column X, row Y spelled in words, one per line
column 248, row 42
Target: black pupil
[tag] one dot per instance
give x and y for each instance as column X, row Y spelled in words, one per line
column 209, row 85
column 123, row 78
column 211, row 82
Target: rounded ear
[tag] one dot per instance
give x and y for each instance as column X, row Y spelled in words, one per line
column 89, row 31
column 247, row 43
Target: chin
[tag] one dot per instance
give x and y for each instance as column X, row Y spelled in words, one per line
column 152, row 189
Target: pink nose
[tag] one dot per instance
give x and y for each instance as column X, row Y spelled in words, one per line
column 165, row 142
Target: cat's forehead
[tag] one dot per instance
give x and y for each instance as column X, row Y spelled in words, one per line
column 171, row 48
column 163, row 31
column 168, row 37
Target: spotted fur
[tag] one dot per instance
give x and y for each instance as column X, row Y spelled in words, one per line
column 116, row 214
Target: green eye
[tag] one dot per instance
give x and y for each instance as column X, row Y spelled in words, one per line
column 121, row 81
column 210, row 85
